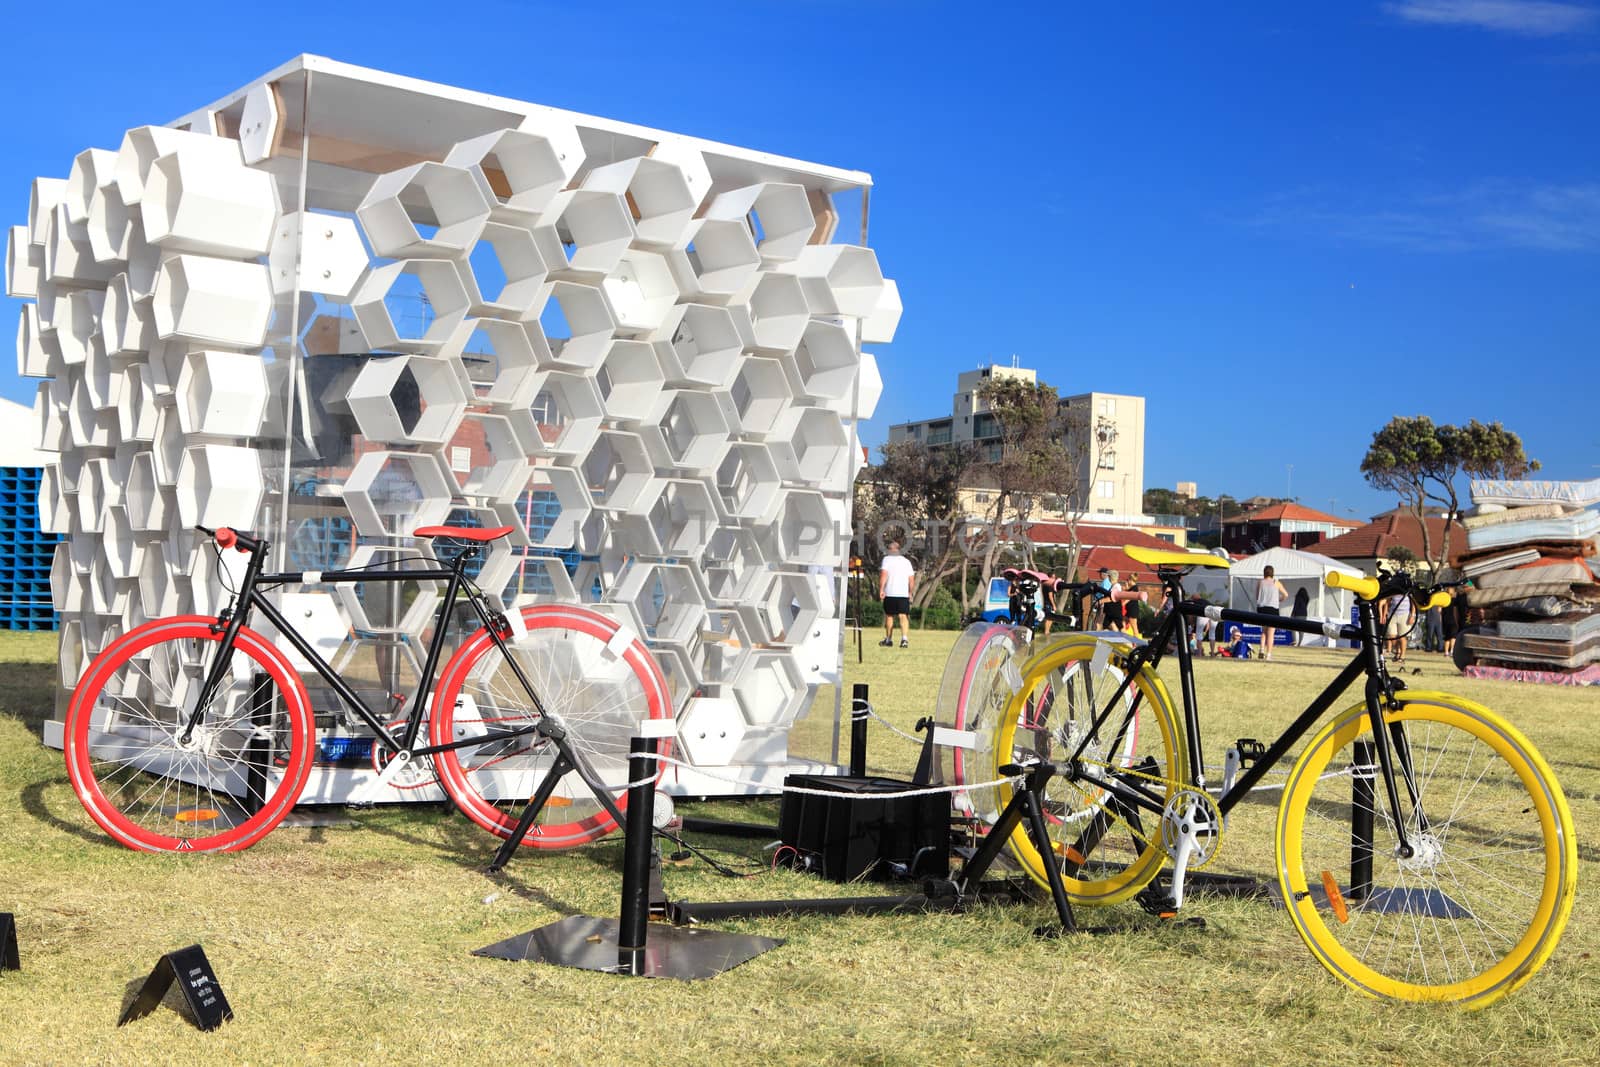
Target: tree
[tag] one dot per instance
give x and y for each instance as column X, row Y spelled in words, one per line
column 913, row 496
column 1420, row 462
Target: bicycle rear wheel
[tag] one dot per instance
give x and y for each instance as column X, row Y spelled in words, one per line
column 1481, row 903
column 1106, row 850
column 593, row 679
column 979, row 677
column 239, row 773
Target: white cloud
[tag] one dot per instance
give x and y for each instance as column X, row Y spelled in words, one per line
column 1530, row 18
column 1486, row 215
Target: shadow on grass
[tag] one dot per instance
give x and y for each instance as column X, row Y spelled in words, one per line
column 28, row 692
column 32, row 798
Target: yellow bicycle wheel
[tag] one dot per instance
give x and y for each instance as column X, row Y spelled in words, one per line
column 1106, row 850
column 1479, row 905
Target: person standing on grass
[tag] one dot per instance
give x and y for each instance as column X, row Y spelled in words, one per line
column 1269, row 601
column 1302, row 608
column 1398, row 627
column 897, row 580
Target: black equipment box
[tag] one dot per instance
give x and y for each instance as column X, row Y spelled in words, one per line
column 857, row 831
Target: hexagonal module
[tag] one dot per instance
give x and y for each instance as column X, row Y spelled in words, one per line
column 523, row 168
column 507, row 273
column 692, row 431
column 390, row 494
column 771, row 691
column 641, row 289
column 427, row 209
column 825, row 361
column 668, row 599
column 413, row 305
column 710, row 730
column 778, row 215
column 408, row 399
column 659, row 192
column 220, row 485
column 703, row 345
column 91, row 168
column 748, row 480
column 629, row 378
column 839, row 279
column 110, row 225
column 401, row 607
column 219, row 301
column 720, row 259
column 198, row 202
column 810, row 446
column 579, row 323
column 143, row 145
column 501, row 358
column 674, row 517
column 566, row 413
column 550, row 503
column 617, row 470
column 803, row 531
column 760, row 394
column 783, row 608
column 779, row 313
column 594, row 228
column 222, row 394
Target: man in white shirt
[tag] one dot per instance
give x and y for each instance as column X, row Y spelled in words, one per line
column 897, row 580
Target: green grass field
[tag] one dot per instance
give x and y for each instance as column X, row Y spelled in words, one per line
column 350, row 944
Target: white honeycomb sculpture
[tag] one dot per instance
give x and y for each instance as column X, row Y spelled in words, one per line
column 639, row 351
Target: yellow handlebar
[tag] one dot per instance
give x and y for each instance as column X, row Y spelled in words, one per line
column 1441, row 599
column 1365, row 588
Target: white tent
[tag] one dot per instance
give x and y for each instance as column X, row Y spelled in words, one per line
column 1296, row 570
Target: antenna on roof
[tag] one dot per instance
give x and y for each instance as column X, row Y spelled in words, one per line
column 1013, row 360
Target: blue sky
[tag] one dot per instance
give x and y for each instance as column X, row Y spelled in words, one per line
column 1281, row 223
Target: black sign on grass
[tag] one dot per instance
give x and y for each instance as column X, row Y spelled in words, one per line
column 9, row 960
column 208, row 1008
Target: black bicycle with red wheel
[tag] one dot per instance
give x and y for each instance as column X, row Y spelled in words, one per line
column 196, row 732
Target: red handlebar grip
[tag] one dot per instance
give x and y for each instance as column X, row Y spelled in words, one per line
column 226, row 538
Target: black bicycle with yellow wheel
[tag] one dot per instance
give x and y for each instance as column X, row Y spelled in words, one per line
column 1424, row 847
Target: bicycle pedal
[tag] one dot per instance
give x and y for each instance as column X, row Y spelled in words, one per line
column 1157, row 901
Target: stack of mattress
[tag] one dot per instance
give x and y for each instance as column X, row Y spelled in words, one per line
column 1530, row 556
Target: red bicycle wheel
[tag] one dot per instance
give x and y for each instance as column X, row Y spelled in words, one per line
column 235, row 778
column 591, row 677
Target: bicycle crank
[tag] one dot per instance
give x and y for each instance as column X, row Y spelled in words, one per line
column 1191, row 832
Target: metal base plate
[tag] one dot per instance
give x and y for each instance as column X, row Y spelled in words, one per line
column 1428, row 903
column 590, row 944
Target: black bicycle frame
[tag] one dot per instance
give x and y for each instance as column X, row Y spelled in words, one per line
column 250, row 596
column 1174, row 629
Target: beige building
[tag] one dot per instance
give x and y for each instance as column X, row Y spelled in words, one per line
column 1110, row 476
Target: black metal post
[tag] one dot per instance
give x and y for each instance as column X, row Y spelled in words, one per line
column 258, row 750
column 1362, row 798
column 635, row 918
column 858, row 730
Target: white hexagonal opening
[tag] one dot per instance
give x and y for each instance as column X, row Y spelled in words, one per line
column 784, row 608
column 761, row 394
column 839, row 279
column 500, row 358
column 408, row 399
column 219, row 485
column 200, row 202
column 579, row 323
column 390, row 494
column 803, row 531
column 724, row 648
column 124, row 552
column 779, row 313
column 641, row 290
column 415, row 305
column 158, row 589
column 617, row 470
column 810, row 445
column 594, row 228
column 629, row 379
column 777, row 213
column 721, row 258
column 703, row 345
column 66, row 584
column 675, row 517
column 733, row 565
column 668, row 599
column 550, row 503
column 222, row 393
column 566, row 412
column 507, row 272
column 91, row 168
column 692, row 432
column 658, row 191
column 125, row 320
column 149, row 505
column 427, row 209
column 524, row 170
column 879, row 327
column 710, row 730
column 68, row 256
column 825, row 361
column 78, row 325
column 110, row 224
column 218, row 301
column 748, row 481
column 405, row 607
column 771, row 692
column 87, row 425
